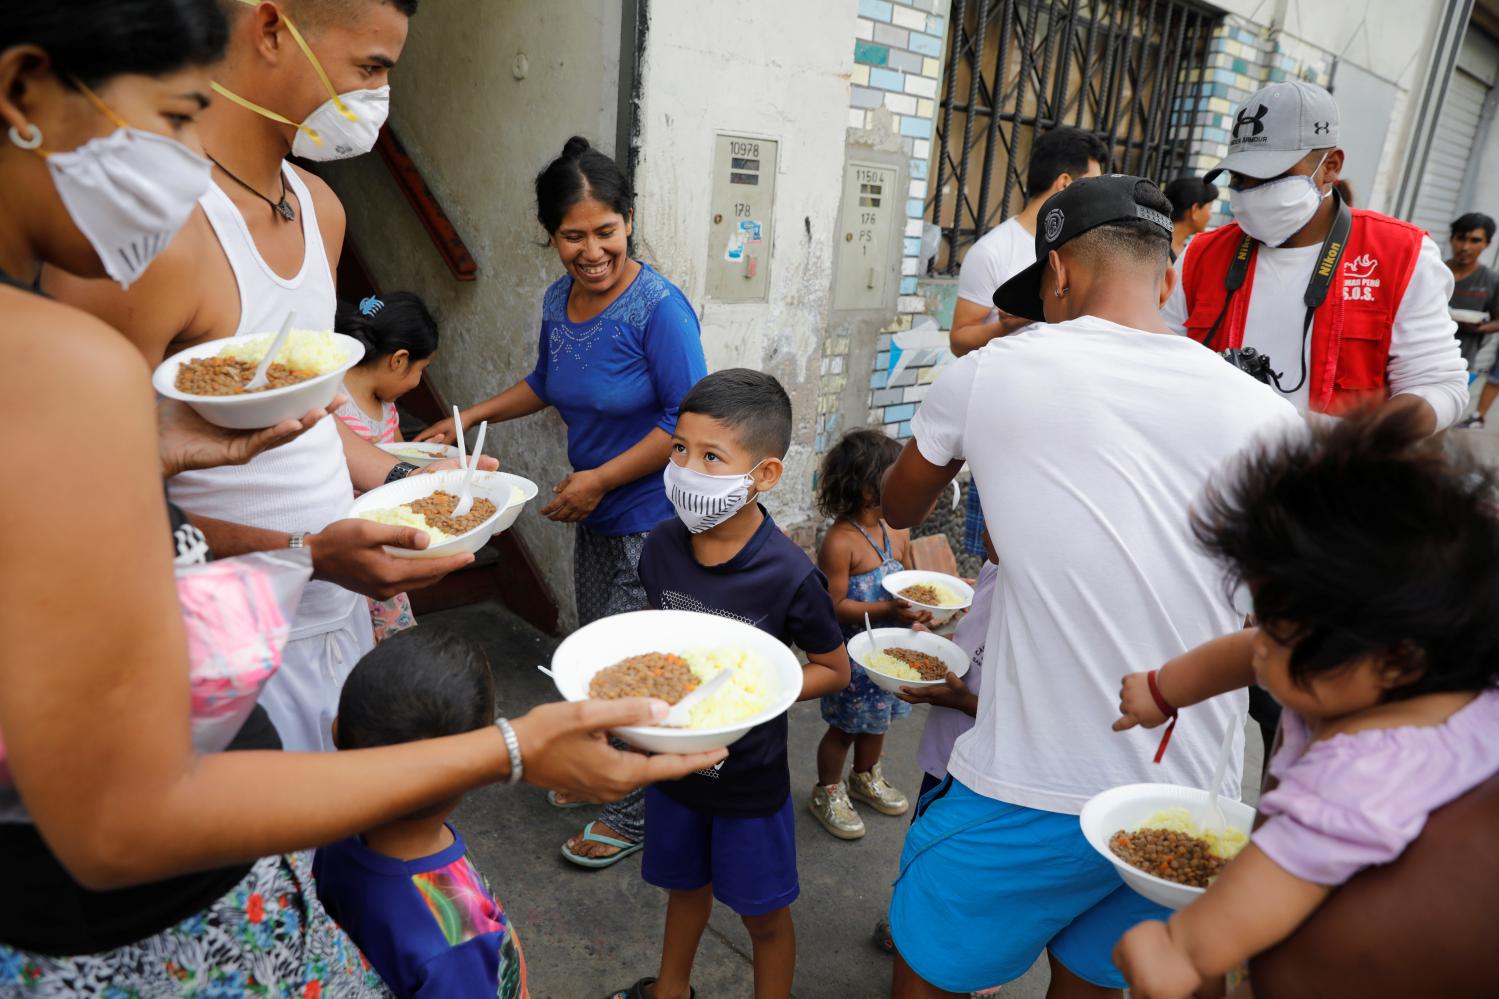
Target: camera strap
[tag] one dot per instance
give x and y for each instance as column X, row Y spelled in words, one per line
column 1322, row 275
column 1325, row 270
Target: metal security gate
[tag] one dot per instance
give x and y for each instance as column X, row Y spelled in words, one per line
column 1118, row 68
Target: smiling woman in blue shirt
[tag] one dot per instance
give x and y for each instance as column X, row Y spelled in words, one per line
column 619, row 347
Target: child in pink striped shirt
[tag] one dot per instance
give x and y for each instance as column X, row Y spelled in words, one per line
column 399, row 337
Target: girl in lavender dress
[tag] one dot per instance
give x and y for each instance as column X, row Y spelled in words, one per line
column 399, row 337
column 1374, row 568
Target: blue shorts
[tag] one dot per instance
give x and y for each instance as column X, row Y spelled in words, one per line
column 751, row 862
column 1014, row 881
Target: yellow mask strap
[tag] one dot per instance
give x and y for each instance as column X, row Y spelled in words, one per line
column 97, row 102
column 317, row 68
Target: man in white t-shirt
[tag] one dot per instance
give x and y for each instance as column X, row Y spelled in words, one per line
column 1095, row 432
column 1376, row 331
column 1057, row 159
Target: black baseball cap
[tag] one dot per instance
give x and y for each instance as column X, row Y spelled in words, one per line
column 1085, row 204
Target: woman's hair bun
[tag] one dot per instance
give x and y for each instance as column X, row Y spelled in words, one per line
column 575, row 147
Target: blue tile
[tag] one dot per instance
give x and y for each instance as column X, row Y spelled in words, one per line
column 918, row 167
column 882, row 360
column 912, row 246
column 887, row 79
column 926, row 44
column 916, row 128
column 908, row 285
column 878, row 10
column 915, row 208
column 869, row 53
column 934, row 23
column 878, row 379
column 898, row 414
column 903, row 431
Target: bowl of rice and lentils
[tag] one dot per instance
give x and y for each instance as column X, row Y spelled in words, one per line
column 213, row 377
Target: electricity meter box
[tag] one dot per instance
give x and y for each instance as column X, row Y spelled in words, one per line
column 865, row 270
column 743, row 206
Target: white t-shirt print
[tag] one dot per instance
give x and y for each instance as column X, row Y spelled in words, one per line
column 1089, row 443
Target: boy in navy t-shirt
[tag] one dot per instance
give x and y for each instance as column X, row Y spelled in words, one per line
column 405, row 892
column 729, row 832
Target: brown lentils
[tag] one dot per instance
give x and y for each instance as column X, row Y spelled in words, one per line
column 228, row 376
column 930, row 667
column 1175, row 856
column 923, row 593
column 438, row 509
column 655, row 674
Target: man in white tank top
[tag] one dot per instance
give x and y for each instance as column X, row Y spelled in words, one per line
column 265, row 241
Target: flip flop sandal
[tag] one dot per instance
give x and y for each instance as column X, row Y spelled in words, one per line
column 552, row 800
column 882, row 938
column 638, row 991
column 624, row 847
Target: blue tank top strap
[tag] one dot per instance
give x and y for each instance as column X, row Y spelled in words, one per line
column 883, row 553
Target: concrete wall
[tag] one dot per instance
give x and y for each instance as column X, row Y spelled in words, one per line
column 479, row 135
column 774, row 69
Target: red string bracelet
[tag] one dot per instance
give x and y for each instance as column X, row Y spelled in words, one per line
column 1165, row 709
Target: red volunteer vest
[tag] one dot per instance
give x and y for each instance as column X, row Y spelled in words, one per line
column 1350, row 329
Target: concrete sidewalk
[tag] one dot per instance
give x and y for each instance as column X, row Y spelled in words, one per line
column 587, row 932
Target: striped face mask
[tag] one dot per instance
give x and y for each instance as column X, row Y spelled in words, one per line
column 704, row 501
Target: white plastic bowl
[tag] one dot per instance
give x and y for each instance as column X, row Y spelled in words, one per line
column 1468, row 316
column 407, row 451
column 1128, row 806
column 255, row 410
column 509, row 494
column 605, row 642
column 897, row 581
column 905, row 638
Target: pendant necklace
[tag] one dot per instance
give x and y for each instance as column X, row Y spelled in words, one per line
column 282, row 207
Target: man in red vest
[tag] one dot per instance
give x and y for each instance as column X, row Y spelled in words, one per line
column 1348, row 306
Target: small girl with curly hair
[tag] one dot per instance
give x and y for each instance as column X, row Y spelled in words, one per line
column 848, row 490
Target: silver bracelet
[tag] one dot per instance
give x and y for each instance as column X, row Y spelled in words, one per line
column 512, row 746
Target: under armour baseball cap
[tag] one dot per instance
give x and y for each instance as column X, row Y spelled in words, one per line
column 1276, row 127
column 1085, row 204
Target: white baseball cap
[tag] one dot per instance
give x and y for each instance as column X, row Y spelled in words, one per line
column 1276, row 127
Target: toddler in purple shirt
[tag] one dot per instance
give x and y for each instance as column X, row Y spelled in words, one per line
column 1373, row 561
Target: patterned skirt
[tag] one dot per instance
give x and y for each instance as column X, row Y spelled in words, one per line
column 269, row 936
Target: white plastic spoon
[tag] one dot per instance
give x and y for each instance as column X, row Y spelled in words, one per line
column 261, row 372
column 458, row 429
column 1219, row 769
column 681, row 712
column 466, row 495
column 546, row 671
column 874, row 649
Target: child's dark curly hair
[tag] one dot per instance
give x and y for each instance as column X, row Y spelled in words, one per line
column 852, row 470
column 1362, row 538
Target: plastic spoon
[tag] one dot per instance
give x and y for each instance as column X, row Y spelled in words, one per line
column 458, row 430
column 1219, row 769
column 546, row 671
column 466, row 495
column 681, row 712
column 874, row 649
column 261, row 372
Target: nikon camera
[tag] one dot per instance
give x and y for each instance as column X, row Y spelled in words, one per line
column 1251, row 362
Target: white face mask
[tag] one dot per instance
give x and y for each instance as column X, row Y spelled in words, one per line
column 343, row 126
column 1276, row 210
column 704, row 501
column 343, row 136
column 128, row 192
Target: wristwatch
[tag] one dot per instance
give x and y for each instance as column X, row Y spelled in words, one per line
column 297, row 539
column 399, row 471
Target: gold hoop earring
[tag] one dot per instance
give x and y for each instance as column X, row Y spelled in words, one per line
column 31, row 143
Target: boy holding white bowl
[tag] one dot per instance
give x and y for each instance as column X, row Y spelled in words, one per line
column 729, row 832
